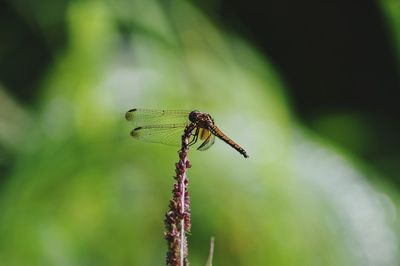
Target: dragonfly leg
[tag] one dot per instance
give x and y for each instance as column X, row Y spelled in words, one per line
column 195, row 136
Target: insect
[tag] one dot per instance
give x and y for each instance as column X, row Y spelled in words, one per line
column 166, row 126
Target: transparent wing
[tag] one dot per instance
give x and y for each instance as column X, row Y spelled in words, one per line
column 152, row 117
column 169, row 134
column 207, row 143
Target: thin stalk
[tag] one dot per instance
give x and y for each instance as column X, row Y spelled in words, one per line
column 177, row 219
column 211, row 253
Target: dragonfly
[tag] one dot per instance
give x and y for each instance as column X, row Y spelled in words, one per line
column 167, row 126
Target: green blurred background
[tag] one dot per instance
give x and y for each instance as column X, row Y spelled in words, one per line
column 320, row 123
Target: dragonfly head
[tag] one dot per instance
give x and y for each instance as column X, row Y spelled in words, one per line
column 194, row 116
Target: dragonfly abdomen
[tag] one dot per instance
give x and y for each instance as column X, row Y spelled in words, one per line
column 217, row 132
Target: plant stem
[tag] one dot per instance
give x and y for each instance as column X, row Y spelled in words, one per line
column 211, row 254
column 177, row 219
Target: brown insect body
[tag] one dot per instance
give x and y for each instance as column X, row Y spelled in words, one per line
column 165, row 126
column 206, row 122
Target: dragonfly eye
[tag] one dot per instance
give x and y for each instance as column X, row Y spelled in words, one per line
column 193, row 116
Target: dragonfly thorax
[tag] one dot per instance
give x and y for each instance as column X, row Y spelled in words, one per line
column 201, row 119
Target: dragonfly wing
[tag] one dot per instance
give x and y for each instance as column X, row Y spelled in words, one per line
column 152, row 117
column 207, row 143
column 169, row 134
